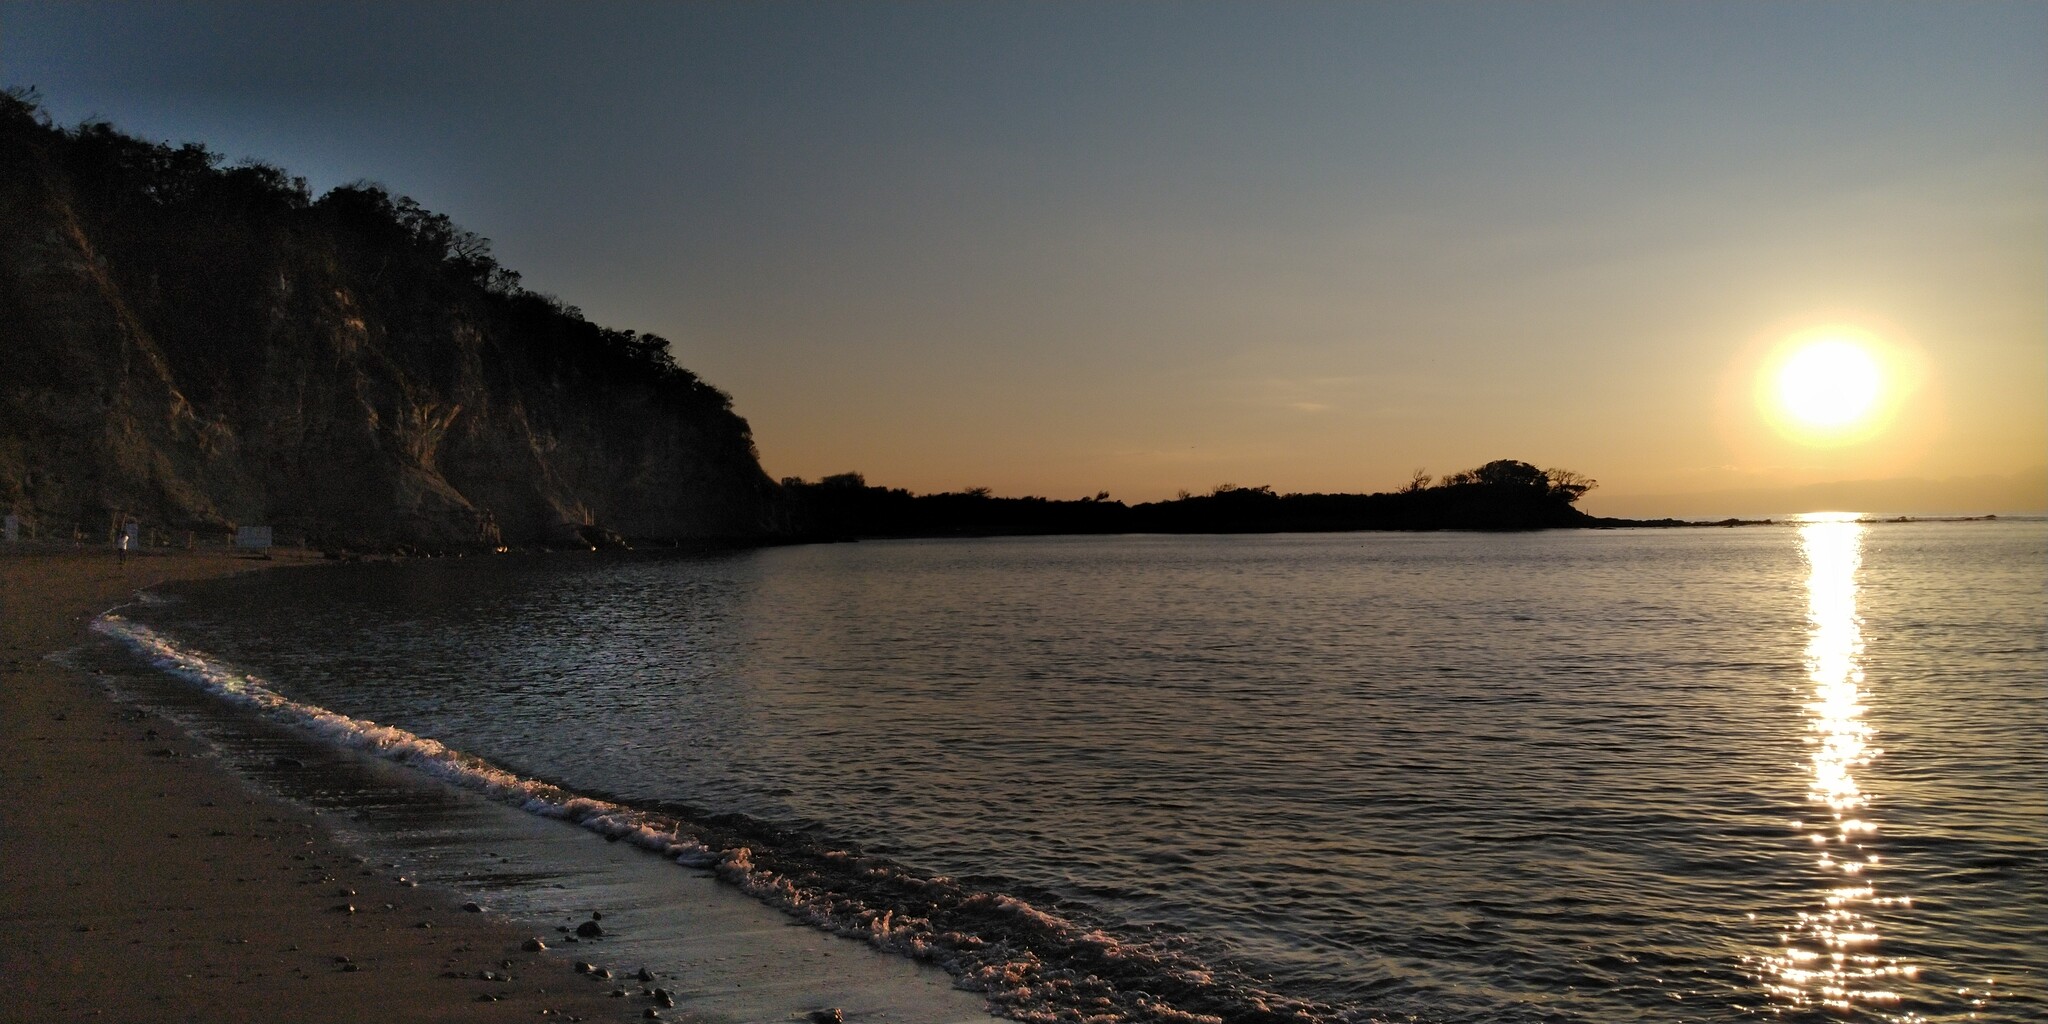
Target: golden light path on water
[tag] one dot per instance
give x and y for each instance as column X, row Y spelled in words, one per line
column 1829, row 957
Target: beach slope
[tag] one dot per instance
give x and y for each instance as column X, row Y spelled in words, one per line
column 144, row 882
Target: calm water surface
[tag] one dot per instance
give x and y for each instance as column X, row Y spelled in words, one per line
column 1788, row 772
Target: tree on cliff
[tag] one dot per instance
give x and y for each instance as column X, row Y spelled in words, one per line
column 205, row 345
column 1510, row 474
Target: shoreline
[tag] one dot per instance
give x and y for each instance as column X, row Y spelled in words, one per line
column 145, row 882
column 148, row 881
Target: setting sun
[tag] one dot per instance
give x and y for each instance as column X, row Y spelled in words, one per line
column 1520, row 464
column 1831, row 386
column 1829, row 383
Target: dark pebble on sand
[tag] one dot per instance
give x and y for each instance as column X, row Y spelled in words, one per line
column 831, row 1016
column 533, row 945
column 652, row 1014
column 346, row 908
column 590, row 929
column 662, row 998
column 473, row 907
column 644, row 974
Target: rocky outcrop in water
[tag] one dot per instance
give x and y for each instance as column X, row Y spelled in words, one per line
column 199, row 347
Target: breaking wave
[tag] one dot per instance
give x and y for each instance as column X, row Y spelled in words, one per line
column 1032, row 964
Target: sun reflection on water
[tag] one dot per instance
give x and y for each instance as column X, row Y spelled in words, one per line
column 1830, row 956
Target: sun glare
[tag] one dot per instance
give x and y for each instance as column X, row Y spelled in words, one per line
column 1828, row 387
column 1829, row 383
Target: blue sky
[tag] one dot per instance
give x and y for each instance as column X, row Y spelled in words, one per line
column 1059, row 248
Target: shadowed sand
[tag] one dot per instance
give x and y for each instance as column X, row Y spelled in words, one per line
column 143, row 882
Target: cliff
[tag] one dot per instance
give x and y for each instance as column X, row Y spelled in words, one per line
column 198, row 347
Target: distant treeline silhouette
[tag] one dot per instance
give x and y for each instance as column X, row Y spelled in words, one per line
column 1502, row 495
column 197, row 345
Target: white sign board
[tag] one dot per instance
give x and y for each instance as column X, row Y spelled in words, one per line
column 252, row 536
column 13, row 528
column 133, row 534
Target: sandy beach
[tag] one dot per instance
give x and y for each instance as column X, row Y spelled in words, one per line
column 144, row 882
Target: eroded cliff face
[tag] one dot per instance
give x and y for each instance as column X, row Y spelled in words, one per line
column 199, row 348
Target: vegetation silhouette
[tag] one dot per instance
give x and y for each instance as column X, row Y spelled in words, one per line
column 359, row 369
column 1501, row 495
column 200, row 345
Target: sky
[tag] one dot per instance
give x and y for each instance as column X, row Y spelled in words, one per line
column 1147, row 247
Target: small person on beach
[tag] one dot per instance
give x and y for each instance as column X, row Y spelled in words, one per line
column 121, row 549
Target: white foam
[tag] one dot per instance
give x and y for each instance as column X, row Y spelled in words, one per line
column 394, row 744
column 641, row 828
column 1027, row 989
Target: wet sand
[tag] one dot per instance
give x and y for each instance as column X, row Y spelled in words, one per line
column 144, row 882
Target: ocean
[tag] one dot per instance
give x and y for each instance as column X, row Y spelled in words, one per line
column 1790, row 772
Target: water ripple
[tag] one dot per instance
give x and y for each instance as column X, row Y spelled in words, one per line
column 1622, row 776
